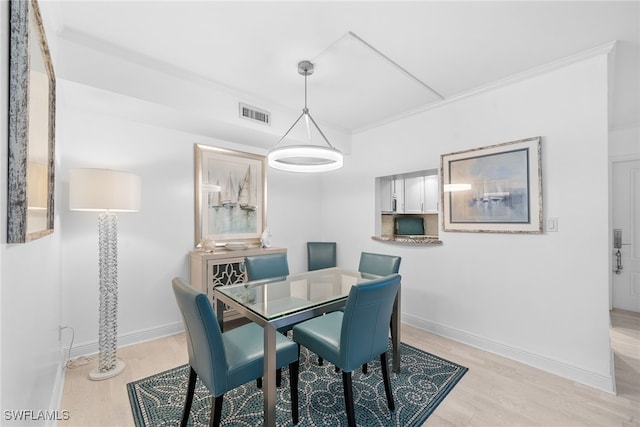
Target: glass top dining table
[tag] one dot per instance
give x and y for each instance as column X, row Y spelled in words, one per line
column 274, row 304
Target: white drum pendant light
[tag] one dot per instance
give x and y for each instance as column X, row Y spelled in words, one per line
column 305, row 158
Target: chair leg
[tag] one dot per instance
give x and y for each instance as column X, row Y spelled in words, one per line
column 259, row 382
column 320, row 361
column 216, row 411
column 294, row 370
column 364, row 368
column 387, row 381
column 187, row 403
column 348, row 398
column 391, row 328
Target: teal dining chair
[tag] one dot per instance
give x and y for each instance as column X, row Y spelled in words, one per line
column 359, row 334
column 375, row 265
column 321, row 255
column 224, row 361
column 272, row 266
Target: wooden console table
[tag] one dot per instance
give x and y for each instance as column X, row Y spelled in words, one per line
column 222, row 267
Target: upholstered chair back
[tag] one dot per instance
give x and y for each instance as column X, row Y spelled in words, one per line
column 204, row 337
column 321, row 255
column 376, row 265
column 365, row 324
column 267, row 266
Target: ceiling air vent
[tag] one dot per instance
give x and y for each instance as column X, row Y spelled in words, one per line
column 255, row 114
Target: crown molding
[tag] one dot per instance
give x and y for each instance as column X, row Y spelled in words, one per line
column 604, row 49
column 71, row 35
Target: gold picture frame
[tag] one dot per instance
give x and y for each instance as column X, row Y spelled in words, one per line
column 32, row 91
column 230, row 195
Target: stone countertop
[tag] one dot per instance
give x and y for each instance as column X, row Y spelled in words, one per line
column 422, row 240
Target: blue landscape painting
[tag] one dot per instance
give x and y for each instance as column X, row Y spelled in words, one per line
column 499, row 188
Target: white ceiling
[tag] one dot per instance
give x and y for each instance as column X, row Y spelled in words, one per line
column 374, row 60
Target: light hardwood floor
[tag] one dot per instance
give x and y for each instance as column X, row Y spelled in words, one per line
column 494, row 392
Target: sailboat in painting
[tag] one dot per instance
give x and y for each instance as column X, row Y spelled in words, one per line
column 229, row 198
column 214, row 197
column 245, row 193
column 483, row 195
column 498, row 195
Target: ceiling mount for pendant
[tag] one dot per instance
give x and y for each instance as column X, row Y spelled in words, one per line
column 309, row 157
column 305, row 68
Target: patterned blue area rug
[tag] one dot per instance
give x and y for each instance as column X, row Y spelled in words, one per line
column 423, row 382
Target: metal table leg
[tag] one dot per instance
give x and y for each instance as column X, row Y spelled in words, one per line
column 269, row 376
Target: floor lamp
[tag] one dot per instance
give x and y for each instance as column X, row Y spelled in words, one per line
column 106, row 191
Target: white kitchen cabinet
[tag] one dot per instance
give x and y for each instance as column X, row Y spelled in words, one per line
column 413, row 195
column 397, row 195
column 431, row 194
column 391, row 195
column 421, row 194
column 386, row 195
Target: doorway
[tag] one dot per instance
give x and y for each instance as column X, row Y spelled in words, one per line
column 625, row 283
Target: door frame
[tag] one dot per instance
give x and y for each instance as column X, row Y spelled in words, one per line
column 612, row 161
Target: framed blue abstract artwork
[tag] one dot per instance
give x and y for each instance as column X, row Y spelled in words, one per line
column 494, row 189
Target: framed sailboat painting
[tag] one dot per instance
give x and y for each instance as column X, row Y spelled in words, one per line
column 230, row 195
column 496, row 189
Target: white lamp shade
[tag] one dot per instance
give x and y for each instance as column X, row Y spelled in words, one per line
column 103, row 189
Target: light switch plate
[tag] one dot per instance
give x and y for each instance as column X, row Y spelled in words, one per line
column 551, row 224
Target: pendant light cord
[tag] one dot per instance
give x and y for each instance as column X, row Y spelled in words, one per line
column 305, row 112
column 305, row 91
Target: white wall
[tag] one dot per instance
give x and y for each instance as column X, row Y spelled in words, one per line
column 296, row 213
column 624, row 143
column 153, row 244
column 29, row 294
column 541, row 299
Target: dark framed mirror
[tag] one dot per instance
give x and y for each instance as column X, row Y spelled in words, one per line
column 32, row 92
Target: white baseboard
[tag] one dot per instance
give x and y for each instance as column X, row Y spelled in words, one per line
column 613, row 373
column 592, row 379
column 92, row 348
column 58, row 389
column 130, row 338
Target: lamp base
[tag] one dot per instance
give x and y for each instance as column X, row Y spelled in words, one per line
column 96, row 375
